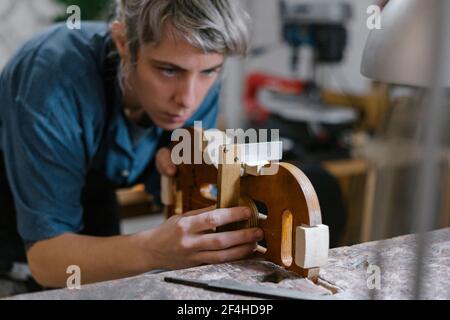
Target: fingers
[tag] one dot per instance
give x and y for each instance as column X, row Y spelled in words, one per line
column 199, row 211
column 212, row 219
column 164, row 163
column 222, row 256
column 225, row 240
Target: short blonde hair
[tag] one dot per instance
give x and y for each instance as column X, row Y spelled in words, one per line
column 219, row 26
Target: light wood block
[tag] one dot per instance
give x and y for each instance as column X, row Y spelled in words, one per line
column 311, row 247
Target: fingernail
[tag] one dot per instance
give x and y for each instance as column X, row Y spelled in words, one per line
column 259, row 234
column 247, row 212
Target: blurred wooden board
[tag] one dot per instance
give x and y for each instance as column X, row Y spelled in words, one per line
column 135, row 202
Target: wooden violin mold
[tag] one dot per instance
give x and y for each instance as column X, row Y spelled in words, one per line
column 293, row 232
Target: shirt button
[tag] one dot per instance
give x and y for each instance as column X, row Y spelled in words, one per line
column 125, row 173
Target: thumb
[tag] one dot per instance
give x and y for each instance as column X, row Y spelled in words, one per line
column 164, row 163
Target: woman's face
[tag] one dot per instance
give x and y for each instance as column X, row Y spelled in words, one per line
column 171, row 79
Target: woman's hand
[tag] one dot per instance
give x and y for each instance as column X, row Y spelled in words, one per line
column 164, row 163
column 188, row 240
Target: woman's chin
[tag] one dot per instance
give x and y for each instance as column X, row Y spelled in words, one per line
column 170, row 125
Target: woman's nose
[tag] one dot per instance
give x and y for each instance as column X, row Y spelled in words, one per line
column 186, row 95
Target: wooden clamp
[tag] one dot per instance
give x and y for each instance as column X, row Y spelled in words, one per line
column 284, row 204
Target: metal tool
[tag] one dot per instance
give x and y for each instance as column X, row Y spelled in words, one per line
column 253, row 290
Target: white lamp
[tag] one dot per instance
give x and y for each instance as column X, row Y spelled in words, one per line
column 404, row 50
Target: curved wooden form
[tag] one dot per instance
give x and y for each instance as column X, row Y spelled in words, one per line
column 289, row 197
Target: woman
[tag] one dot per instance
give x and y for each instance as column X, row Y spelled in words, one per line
column 85, row 111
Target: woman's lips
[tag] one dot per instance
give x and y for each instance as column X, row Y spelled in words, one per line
column 175, row 118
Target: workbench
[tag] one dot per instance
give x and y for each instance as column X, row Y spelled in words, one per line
column 346, row 275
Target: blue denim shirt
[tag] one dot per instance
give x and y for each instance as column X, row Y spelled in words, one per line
column 57, row 123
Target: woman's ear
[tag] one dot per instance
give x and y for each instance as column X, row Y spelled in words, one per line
column 119, row 36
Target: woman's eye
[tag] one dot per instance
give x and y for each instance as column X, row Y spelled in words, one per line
column 168, row 72
column 210, row 73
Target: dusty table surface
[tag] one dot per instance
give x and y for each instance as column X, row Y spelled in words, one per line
column 345, row 276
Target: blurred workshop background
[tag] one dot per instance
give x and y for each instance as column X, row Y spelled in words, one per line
column 356, row 139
